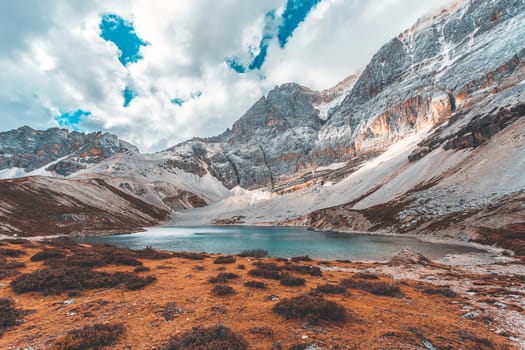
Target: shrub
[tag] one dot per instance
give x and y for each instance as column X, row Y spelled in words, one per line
column 254, row 253
column 444, row 291
column 255, row 284
column 268, row 266
column 301, row 258
column 376, row 288
column 61, row 242
column 122, row 259
column 10, row 268
column 305, row 270
column 133, row 282
column 171, row 310
column 189, row 256
column 95, row 336
column 225, row 259
column 218, row 310
column 79, row 259
column 141, row 269
column 302, row 269
column 117, row 256
column 100, row 255
column 302, row 346
column 268, row 274
column 241, row 267
column 366, row 276
column 48, row 254
column 12, row 253
column 57, row 280
column 223, row 277
column 474, row 342
column 329, row 289
column 222, row 289
column 292, row 281
column 312, row 307
column 199, row 268
column 267, row 270
column 9, row 315
column 152, row 254
column 212, row 338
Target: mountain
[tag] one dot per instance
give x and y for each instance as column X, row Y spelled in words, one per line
column 25, row 151
column 47, row 206
column 427, row 139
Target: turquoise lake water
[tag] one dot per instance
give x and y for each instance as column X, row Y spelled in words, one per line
column 278, row 241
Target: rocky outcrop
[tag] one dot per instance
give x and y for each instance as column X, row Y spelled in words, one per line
column 184, row 200
column 272, row 139
column 481, row 129
column 476, row 132
column 407, row 257
column 35, row 206
column 439, row 69
column 434, row 71
column 62, row 151
column 340, row 218
column 420, row 78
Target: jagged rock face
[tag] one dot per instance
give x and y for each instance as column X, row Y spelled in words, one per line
column 30, row 149
column 441, row 66
column 420, row 77
column 272, row 139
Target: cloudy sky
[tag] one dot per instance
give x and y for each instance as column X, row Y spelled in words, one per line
column 159, row 72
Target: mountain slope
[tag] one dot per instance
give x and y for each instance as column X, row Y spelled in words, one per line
column 26, row 151
column 48, row 206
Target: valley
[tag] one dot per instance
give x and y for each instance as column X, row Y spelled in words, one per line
column 426, row 143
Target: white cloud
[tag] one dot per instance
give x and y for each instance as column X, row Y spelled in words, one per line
column 54, row 60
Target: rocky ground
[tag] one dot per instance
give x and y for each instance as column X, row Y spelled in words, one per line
column 60, row 295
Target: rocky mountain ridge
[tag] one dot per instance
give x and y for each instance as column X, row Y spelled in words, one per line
column 55, row 151
column 419, row 79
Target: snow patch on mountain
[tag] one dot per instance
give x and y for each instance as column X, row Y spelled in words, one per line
column 11, row 173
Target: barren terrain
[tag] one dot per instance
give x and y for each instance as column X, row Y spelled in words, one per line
column 410, row 303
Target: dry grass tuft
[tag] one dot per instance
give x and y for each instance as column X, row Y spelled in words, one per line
column 311, row 307
column 212, row 338
column 96, row 336
column 225, row 259
column 55, row 280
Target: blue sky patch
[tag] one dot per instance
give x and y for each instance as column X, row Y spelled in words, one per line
column 177, row 101
column 71, row 119
column 268, row 34
column 235, row 64
column 196, row 94
column 120, row 32
column 128, row 95
column 280, row 27
column 294, row 13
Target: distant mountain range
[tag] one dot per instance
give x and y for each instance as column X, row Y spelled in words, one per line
column 429, row 138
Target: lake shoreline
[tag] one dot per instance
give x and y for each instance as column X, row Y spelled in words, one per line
column 474, row 254
column 493, row 253
column 427, row 238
